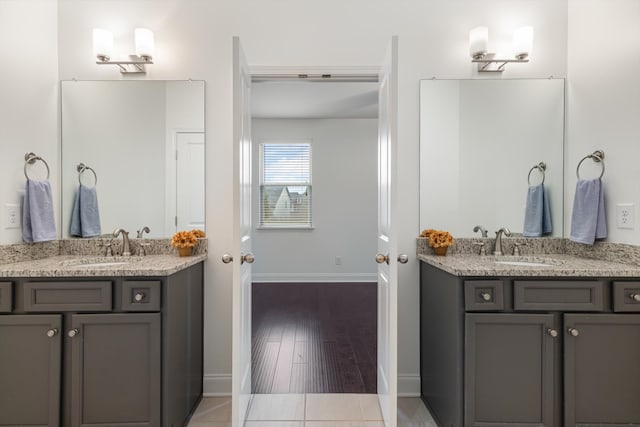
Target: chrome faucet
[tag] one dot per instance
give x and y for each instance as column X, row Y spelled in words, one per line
column 481, row 229
column 497, row 249
column 144, row 229
column 126, row 248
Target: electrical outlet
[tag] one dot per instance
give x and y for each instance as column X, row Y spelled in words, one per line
column 338, row 260
column 11, row 215
column 625, row 215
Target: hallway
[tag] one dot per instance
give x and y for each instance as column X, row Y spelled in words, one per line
column 314, row 338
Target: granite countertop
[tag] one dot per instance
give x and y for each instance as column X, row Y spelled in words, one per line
column 556, row 265
column 100, row 266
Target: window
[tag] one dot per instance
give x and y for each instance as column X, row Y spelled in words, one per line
column 285, row 185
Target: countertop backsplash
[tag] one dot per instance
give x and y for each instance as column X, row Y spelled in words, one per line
column 19, row 252
column 604, row 251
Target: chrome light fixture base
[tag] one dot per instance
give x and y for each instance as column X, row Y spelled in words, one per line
column 488, row 63
column 135, row 65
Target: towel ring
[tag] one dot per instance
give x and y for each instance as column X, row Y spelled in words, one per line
column 597, row 156
column 82, row 168
column 29, row 159
column 542, row 167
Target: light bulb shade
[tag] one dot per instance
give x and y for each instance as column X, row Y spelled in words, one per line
column 522, row 42
column 478, row 41
column 102, row 44
column 144, row 43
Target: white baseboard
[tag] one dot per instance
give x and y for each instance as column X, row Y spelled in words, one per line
column 408, row 385
column 220, row 385
column 313, row 277
column 216, row 385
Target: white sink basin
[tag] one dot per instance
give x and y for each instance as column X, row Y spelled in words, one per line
column 524, row 263
column 101, row 264
column 527, row 261
column 94, row 262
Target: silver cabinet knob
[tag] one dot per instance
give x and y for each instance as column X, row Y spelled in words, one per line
column 73, row 332
column 139, row 296
column 552, row 332
column 635, row 297
column 485, row 296
column 226, row 258
column 248, row 258
column 52, row 332
column 573, row 332
column 380, row 258
column 403, row 258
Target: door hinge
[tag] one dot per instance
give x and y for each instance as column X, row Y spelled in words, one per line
column 175, row 220
column 176, row 154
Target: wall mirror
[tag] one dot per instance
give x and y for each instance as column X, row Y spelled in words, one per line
column 142, row 146
column 479, row 139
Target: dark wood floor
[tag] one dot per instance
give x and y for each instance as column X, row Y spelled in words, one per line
column 314, row 337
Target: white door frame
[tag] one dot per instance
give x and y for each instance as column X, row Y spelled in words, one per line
column 170, row 177
column 240, row 403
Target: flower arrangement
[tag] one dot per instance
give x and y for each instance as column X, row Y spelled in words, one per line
column 198, row 233
column 184, row 239
column 438, row 238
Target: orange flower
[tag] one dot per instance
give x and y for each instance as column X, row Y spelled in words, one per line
column 426, row 232
column 184, row 239
column 198, row 233
column 440, row 239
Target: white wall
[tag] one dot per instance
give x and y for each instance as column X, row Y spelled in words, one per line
column 604, row 104
column 28, row 100
column 194, row 41
column 344, row 197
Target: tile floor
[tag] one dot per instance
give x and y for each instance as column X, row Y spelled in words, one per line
column 311, row 410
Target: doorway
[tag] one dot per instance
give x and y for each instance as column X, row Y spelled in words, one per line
column 387, row 256
column 314, row 295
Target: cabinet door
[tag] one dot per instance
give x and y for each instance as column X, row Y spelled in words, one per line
column 509, row 370
column 602, row 369
column 115, row 374
column 30, row 370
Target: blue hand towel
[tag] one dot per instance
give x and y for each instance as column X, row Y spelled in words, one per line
column 588, row 220
column 537, row 212
column 38, row 223
column 85, row 216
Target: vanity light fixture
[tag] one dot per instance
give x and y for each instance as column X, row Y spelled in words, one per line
column 487, row 61
column 103, row 48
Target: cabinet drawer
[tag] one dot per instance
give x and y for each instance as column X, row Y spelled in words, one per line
column 6, row 297
column 626, row 296
column 483, row 295
column 556, row 295
column 67, row 296
column 141, row 295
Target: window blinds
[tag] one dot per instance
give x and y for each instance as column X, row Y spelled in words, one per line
column 285, row 185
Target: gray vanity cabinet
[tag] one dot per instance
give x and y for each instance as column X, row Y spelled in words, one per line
column 509, row 369
column 115, row 369
column 30, row 370
column 527, row 351
column 602, row 370
column 101, row 351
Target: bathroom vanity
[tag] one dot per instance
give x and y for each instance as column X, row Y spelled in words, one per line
column 99, row 342
column 546, row 345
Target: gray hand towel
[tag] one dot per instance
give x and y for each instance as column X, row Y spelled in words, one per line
column 85, row 216
column 537, row 213
column 588, row 220
column 38, row 223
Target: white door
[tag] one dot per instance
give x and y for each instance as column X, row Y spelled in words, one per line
column 387, row 245
column 242, row 257
column 189, row 180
